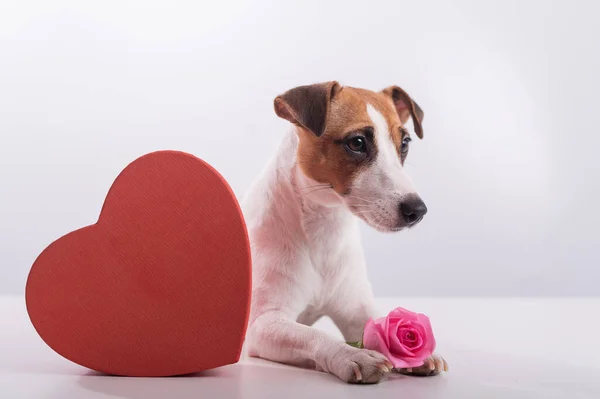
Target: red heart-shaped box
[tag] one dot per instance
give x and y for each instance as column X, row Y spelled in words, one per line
column 160, row 285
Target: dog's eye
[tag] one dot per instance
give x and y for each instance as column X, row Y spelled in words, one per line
column 357, row 144
column 405, row 144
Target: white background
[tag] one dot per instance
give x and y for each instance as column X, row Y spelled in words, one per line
column 508, row 167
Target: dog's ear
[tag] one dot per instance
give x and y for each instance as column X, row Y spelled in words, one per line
column 307, row 106
column 406, row 107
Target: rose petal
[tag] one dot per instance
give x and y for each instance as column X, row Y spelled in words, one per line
column 407, row 334
column 386, row 328
column 410, row 338
column 402, row 363
column 413, row 361
column 429, row 343
column 374, row 339
column 402, row 313
column 398, row 348
column 420, row 336
column 420, row 328
column 419, row 343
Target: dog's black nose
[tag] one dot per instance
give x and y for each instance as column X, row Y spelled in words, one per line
column 412, row 210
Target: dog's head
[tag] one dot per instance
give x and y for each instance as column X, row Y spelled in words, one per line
column 354, row 141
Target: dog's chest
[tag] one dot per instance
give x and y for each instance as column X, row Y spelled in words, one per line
column 331, row 235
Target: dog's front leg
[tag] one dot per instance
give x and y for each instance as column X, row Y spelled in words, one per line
column 274, row 337
column 353, row 307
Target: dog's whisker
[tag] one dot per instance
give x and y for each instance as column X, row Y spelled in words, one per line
column 377, row 222
column 365, row 210
column 315, row 190
column 308, row 188
column 313, row 186
column 364, row 213
column 360, row 198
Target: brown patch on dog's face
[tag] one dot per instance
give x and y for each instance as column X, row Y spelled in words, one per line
column 326, row 159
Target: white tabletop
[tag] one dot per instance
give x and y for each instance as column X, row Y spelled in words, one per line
column 496, row 348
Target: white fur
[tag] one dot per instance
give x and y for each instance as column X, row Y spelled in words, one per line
column 308, row 262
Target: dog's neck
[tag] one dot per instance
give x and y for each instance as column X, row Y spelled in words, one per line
column 326, row 221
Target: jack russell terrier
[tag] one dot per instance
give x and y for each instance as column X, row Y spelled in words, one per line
column 344, row 158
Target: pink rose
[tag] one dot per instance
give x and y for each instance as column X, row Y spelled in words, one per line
column 405, row 337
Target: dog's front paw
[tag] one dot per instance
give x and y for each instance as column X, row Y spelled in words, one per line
column 360, row 366
column 433, row 365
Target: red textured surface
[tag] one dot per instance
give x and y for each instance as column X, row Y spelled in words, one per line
column 160, row 285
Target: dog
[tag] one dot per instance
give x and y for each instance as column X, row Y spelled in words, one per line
column 342, row 160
